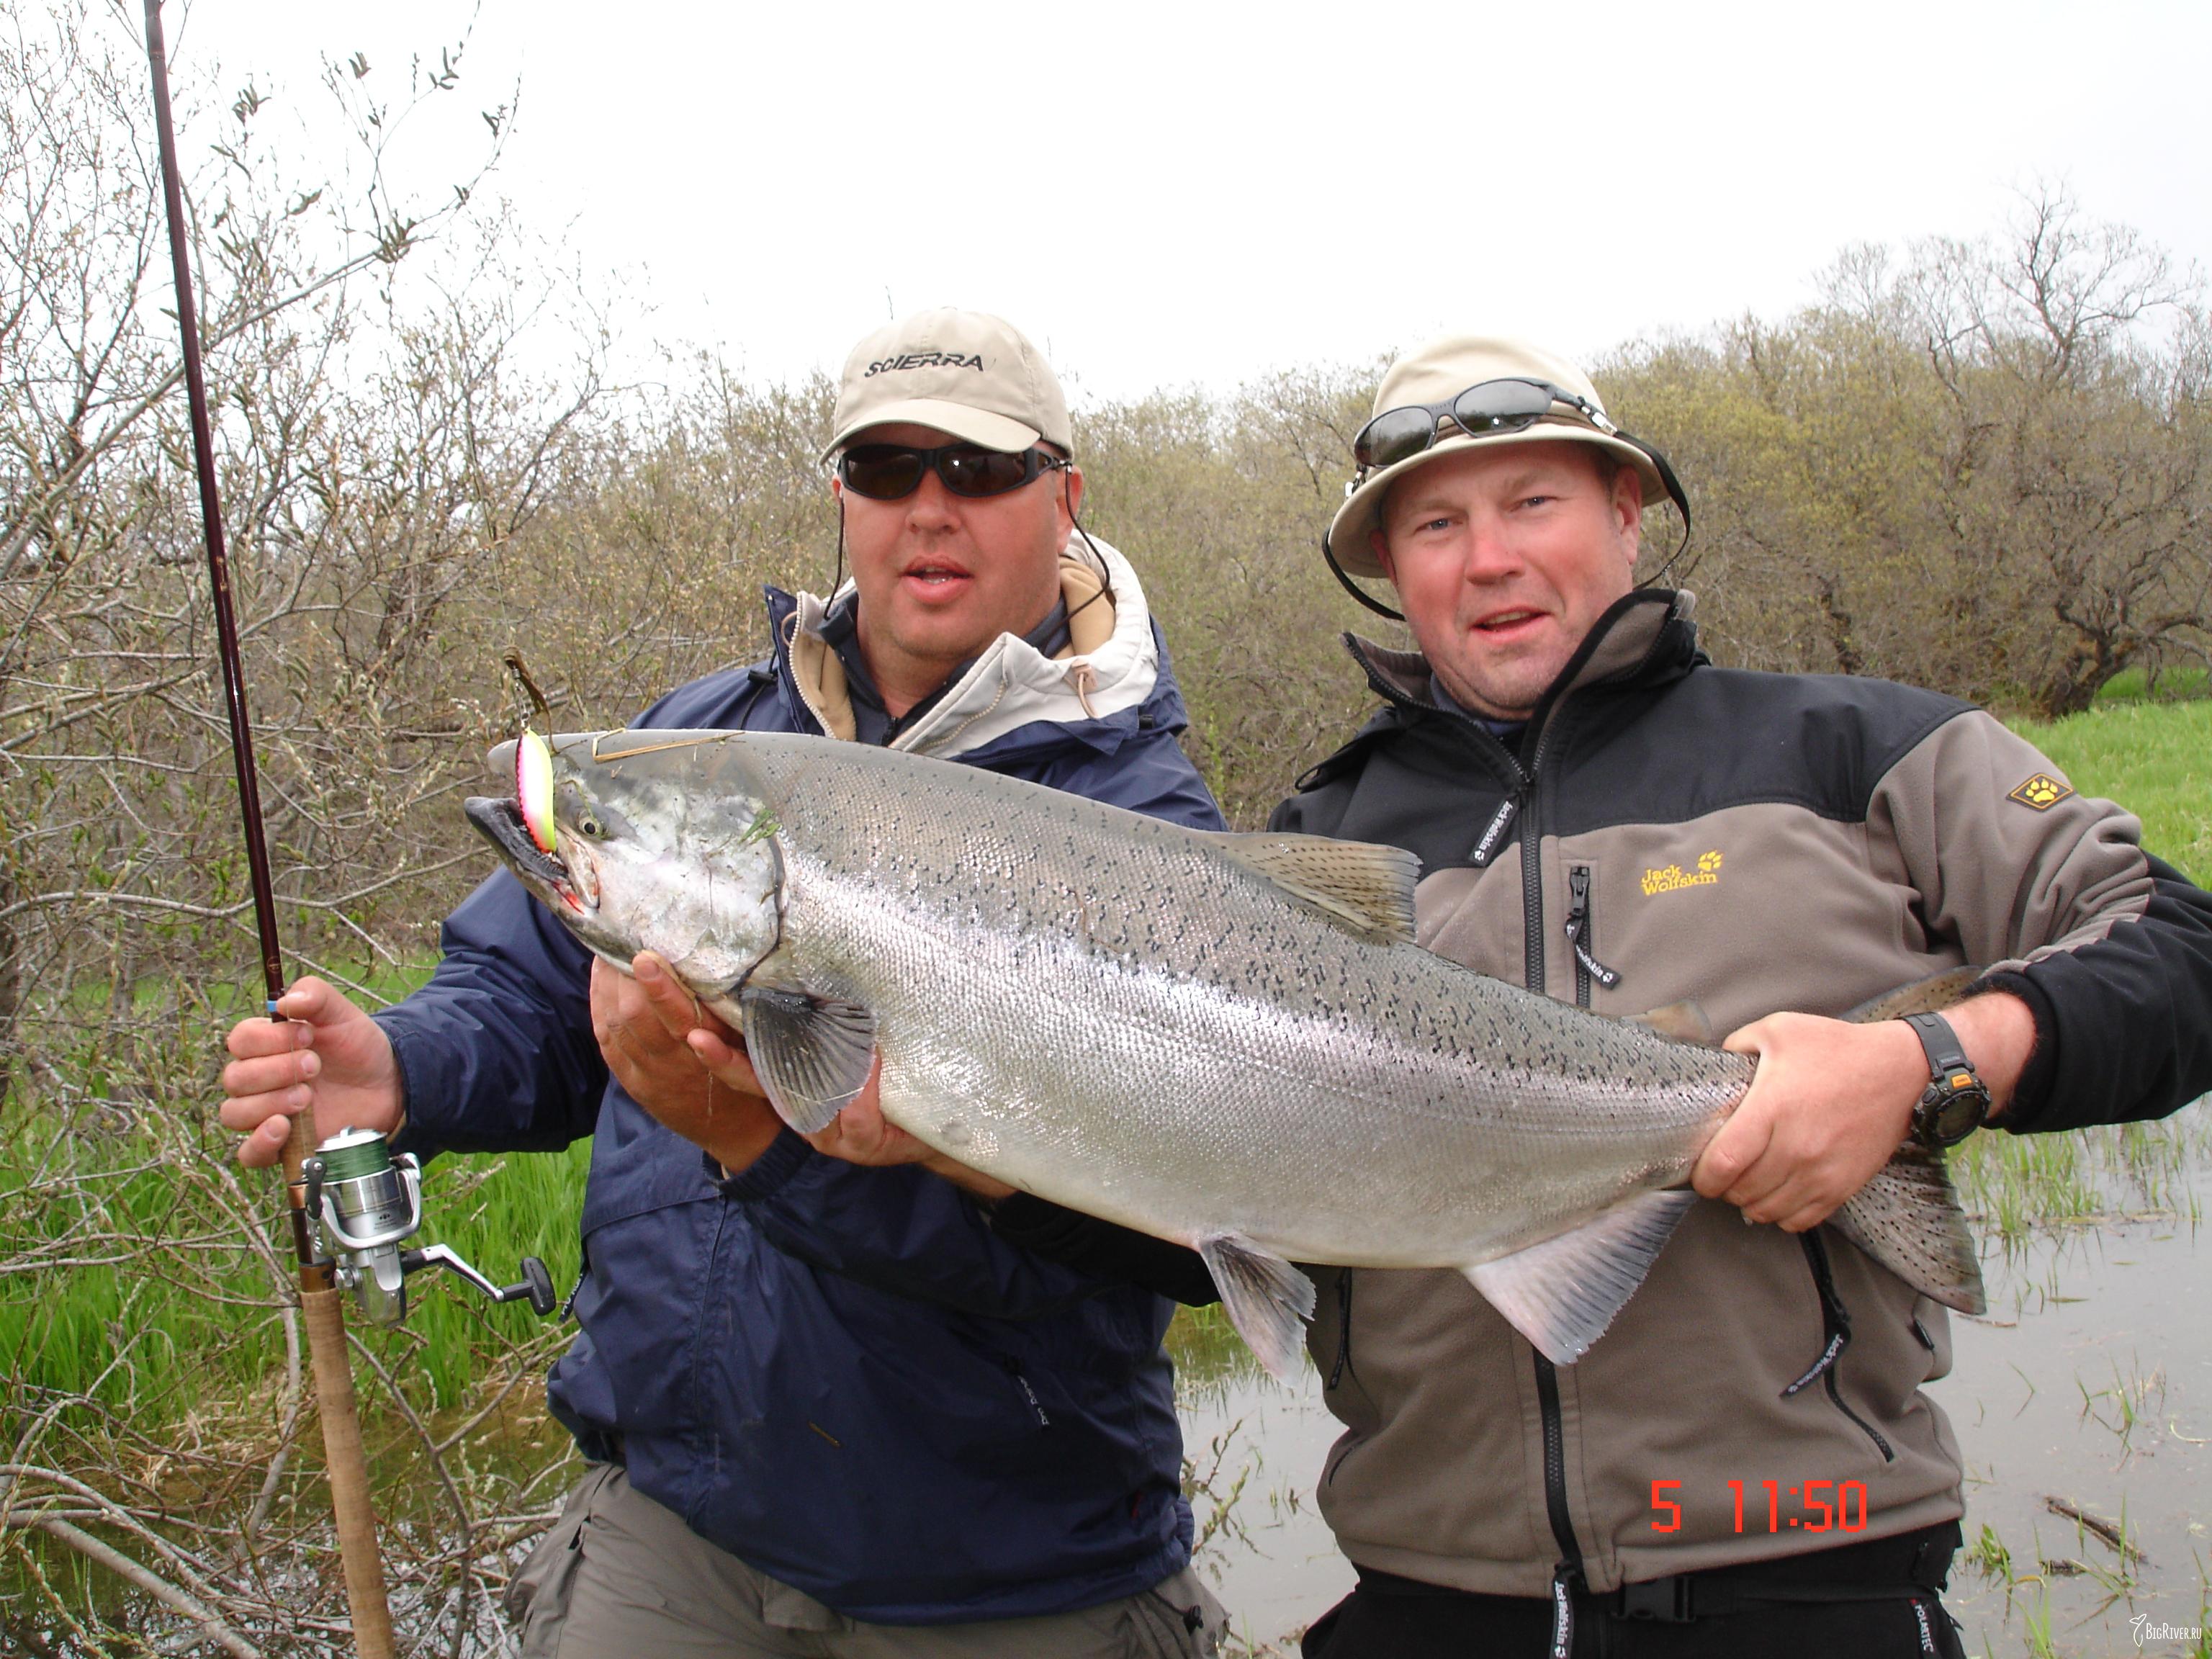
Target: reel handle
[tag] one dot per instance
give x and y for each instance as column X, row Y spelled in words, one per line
column 536, row 1288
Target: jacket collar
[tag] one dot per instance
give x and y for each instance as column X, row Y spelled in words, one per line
column 1648, row 632
column 1647, row 638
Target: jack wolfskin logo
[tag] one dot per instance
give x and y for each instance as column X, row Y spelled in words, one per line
column 2042, row 792
column 926, row 360
column 1674, row 877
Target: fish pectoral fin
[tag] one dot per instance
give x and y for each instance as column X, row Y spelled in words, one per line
column 812, row 1054
column 1266, row 1297
column 1562, row 1294
column 1907, row 1218
column 1365, row 889
column 1685, row 1021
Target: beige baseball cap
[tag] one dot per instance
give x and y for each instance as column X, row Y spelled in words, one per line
column 1439, row 373
column 966, row 373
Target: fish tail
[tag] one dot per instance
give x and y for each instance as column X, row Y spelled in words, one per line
column 1908, row 1217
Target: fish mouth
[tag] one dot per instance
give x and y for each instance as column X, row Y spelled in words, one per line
column 500, row 822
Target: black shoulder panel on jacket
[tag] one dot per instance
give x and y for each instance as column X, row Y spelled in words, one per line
column 1709, row 739
column 1427, row 782
column 1721, row 737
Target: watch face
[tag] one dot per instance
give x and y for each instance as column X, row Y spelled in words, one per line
column 1961, row 1115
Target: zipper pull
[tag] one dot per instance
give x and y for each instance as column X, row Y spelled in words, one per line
column 1566, row 1579
column 1578, row 904
column 1486, row 845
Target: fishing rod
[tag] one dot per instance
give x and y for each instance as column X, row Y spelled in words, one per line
column 318, row 1297
column 352, row 1202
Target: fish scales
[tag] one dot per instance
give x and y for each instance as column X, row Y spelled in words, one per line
column 1282, row 1065
column 1211, row 1038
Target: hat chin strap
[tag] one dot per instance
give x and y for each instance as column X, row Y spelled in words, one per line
column 1353, row 587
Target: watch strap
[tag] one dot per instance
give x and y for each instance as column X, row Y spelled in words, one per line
column 1946, row 1060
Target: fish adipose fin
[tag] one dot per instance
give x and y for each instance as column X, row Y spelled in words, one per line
column 813, row 1053
column 1266, row 1297
column 1931, row 995
column 1364, row 889
column 1562, row 1294
column 1908, row 1218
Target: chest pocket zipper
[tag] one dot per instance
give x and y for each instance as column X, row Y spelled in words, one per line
column 1579, row 936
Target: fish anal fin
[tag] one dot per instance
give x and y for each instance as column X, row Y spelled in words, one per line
column 1266, row 1297
column 1562, row 1294
column 1908, row 1217
column 1682, row 1022
column 1931, row 995
column 813, row 1053
column 1365, row 889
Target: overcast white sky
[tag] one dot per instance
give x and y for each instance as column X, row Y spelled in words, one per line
column 1170, row 193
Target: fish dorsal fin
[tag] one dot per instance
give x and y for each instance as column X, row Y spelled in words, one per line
column 813, row 1053
column 1562, row 1294
column 1681, row 1022
column 1363, row 888
column 1265, row 1299
column 1924, row 996
column 1907, row 1218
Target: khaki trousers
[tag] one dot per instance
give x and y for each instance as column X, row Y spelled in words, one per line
column 622, row 1577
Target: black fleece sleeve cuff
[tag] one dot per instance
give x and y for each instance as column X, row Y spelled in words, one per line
column 1103, row 1249
column 2032, row 1094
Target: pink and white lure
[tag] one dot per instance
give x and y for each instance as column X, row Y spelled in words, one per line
column 533, row 789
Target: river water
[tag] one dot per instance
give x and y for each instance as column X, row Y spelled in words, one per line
column 2088, row 1386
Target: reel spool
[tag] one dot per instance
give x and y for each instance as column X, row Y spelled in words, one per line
column 364, row 1202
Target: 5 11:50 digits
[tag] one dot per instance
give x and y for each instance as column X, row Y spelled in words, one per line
column 1845, row 1512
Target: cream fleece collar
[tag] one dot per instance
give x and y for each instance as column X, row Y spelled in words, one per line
column 1111, row 662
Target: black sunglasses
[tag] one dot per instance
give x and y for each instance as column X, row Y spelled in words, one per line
column 891, row 472
column 1507, row 405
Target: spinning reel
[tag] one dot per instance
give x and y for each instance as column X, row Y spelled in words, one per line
column 364, row 1202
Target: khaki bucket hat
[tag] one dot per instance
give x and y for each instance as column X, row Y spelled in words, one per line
column 1439, row 373
column 963, row 371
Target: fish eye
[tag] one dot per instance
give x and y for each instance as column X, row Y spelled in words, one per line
column 583, row 812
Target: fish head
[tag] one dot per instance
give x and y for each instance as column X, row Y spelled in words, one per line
column 657, row 841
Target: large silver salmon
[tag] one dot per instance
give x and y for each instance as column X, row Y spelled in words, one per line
column 1226, row 1040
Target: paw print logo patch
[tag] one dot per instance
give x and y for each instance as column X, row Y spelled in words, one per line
column 2040, row 793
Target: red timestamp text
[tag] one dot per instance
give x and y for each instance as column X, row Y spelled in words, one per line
column 1774, row 1506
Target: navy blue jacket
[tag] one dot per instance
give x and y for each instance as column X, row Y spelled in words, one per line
column 841, row 1376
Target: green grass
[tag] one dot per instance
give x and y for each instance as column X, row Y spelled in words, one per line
column 60, row 1329
column 2174, row 685
column 175, row 1282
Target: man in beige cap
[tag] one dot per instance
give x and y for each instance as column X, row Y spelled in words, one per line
column 829, row 1410
column 1745, row 1463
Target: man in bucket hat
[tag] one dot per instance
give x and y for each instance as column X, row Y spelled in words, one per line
column 1744, row 1464
column 828, row 1410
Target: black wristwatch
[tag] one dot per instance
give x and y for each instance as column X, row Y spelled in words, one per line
column 1956, row 1102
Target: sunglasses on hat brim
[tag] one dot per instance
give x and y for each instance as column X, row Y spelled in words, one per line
column 891, row 472
column 1503, row 405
